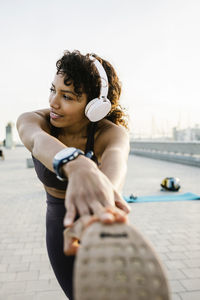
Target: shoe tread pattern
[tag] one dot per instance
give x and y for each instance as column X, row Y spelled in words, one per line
column 117, row 262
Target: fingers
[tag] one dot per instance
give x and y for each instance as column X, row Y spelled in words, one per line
column 121, row 203
column 107, row 218
column 70, row 246
column 83, row 209
column 109, row 214
column 73, row 234
column 101, row 213
column 119, row 215
column 70, row 215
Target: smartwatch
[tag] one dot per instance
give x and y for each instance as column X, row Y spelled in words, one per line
column 63, row 157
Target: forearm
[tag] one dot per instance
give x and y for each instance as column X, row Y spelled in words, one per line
column 114, row 166
column 45, row 148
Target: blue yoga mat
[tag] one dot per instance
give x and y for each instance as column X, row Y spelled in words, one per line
column 163, row 198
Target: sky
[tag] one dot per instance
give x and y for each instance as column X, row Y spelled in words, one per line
column 153, row 45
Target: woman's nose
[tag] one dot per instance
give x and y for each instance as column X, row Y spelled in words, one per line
column 54, row 101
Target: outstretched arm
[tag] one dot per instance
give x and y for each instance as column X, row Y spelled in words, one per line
column 115, row 154
column 34, row 131
column 116, row 148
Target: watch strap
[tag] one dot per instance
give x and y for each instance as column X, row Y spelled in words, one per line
column 57, row 164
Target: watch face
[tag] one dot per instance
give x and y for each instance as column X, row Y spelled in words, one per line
column 65, row 153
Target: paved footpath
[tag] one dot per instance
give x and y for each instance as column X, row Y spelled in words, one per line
column 173, row 228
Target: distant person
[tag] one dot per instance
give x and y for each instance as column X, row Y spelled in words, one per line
column 80, row 147
column 2, row 157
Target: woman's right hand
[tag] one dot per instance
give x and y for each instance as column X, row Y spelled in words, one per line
column 89, row 191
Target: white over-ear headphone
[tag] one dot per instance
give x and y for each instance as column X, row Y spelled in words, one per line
column 99, row 107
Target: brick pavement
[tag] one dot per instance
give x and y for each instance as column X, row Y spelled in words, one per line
column 173, row 228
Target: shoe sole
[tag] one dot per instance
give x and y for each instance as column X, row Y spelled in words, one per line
column 116, row 262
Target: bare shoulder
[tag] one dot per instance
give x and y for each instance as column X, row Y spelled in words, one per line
column 110, row 135
column 35, row 118
column 42, row 113
column 31, row 123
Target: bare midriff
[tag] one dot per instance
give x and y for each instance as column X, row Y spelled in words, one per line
column 55, row 192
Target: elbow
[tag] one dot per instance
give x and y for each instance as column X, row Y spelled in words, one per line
column 20, row 121
column 20, row 125
column 23, row 131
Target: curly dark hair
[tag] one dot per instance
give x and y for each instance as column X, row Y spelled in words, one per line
column 80, row 70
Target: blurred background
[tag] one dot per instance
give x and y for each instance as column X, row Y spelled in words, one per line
column 154, row 46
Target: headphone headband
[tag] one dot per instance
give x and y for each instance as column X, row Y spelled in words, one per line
column 103, row 77
column 98, row 108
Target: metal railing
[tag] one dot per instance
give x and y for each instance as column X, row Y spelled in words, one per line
column 179, row 152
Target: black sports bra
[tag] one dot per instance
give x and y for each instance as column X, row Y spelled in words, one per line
column 48, row 177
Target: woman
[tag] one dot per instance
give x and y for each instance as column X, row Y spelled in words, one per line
column 80, row 148
column 66, row 131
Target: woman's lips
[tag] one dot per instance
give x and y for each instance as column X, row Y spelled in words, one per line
column 54, row 116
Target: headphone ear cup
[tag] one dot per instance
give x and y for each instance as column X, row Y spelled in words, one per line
column 97, row 109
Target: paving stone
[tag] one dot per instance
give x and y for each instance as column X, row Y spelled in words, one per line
column 9, row 241
column 53, row 284
column 33, row 245
column 176, row 255
column 11, row 287
column 8, row 252
column 190, row 296
column 38, row 285
column 175, row 297
column 50, row 296
column 17, row 267
column 192, row 272
column 175, row 264
column 163, row 257
column 46, row 275
column 175, row 274
column 11, row 259
column 23, row 252
column 193, row 254
column 193, row 247
column 39, row 251
column 15, row 246
column 192, row 263
column 26, row 276
column 14, row 296
column 3, row 267
column 5, row 277
column 179, row 242
column 40, row 266
column 176, row 248
column 3, row 246
column 176, row 286
column 44, row 258
column 31, row 258
column 191, row 284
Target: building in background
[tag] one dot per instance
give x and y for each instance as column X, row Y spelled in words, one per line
column 187, row 134
column 9, row 143
column 175, row 134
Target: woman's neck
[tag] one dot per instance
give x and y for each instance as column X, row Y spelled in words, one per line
column 78, row 131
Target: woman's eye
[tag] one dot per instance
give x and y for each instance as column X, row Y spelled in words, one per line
column 52, row 90
column 67, row 97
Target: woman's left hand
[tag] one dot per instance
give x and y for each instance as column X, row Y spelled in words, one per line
column 73, row 235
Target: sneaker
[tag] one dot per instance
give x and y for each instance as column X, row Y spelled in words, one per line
column 115, row 262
